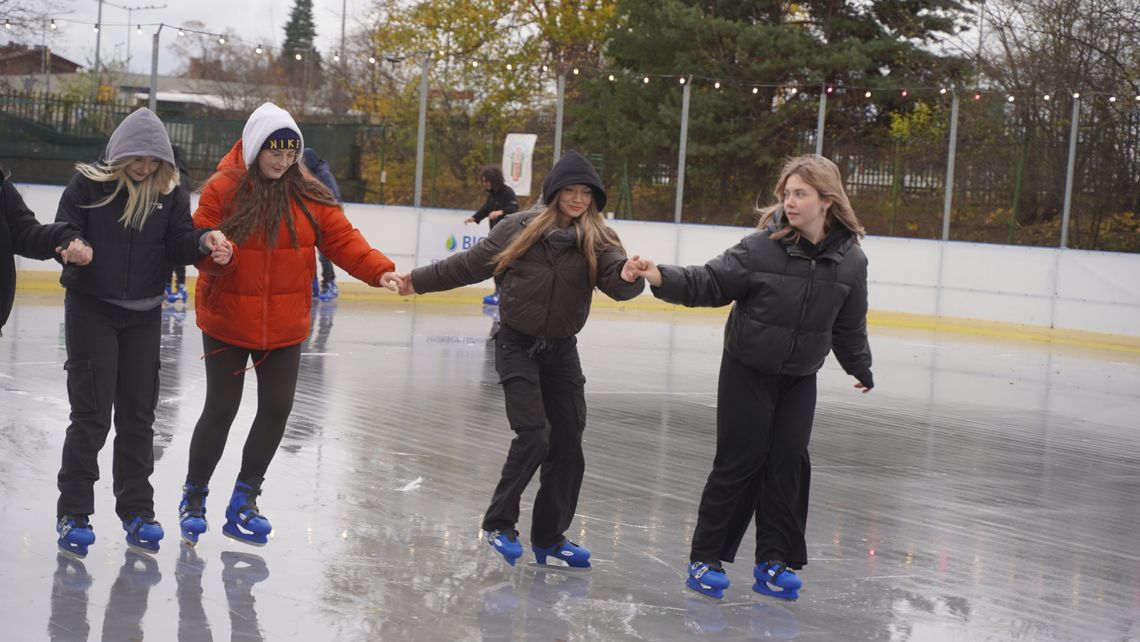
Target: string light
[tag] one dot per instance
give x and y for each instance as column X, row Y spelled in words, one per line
column 181, row 32
column 1112, row 99
column 297, row 56
column 645, row 80
column 1009, row 98
column 716, row 85
column 755, row 90
column 867, row 94
column 795, row 91
column 977, row 96
column 96, row 28
column 336, row 57
column 138, row 29
column 942, row 91
column 904, row 93
column 682, row 79
column 575, row 71
column 221, row 40
column 1047, row 97
column 372, row 60
column 1076, row 94
column 509, row 67
column 7, row 23
column 611, row 77
column 830, row 89
column 257, row 49
column 53, row 27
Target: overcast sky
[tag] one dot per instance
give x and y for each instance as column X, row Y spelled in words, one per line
column 259, row 21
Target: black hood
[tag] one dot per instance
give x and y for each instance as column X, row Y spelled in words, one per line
column 573, row 169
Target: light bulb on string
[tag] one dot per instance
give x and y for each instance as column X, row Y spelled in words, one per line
column 221, row 40
column 942, row 91
column 867, row 94
column 53, row 27
column 682, row 80
column 297, row 56
column 510, row 67
column 1112, row 99
column 575, row 71
column 372, row 60
column 904, row 93
column 96, row 28
column 977, row 96
column 716, row 85
column 545, row 68
column 830, row 89
column 336, row 57
column 1047, row 97
column 1138, row 98
column 257, row 49
column 7, row 23
column 755, row 90
column 611, row 77
column 645, row 80
column 1009, row 98
column 795, row 91
column 181, row 32
column 138, row 29
column 1076, row 94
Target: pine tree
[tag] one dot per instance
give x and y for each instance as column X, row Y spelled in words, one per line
column 737, row 138
column 300, row 36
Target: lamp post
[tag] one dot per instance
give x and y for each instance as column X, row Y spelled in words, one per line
column 129, row 11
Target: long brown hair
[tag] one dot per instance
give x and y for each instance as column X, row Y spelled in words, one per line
column 259, row 204
column 823, row 176
column 142, row 196
column 593, row 237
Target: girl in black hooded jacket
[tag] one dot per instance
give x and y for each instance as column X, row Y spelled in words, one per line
column 549, row 261
column 799, row 285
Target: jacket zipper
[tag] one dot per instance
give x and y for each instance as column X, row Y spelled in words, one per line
column 803, row 315
column 265, row 299
column 127, row 261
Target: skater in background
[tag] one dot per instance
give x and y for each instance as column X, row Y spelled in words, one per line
column 799, row 289
column 549, row 262
column 257, row 308
column 501, row 200
column 21, row 233
column 131, row 209
column 176, row 285
column 319, row 168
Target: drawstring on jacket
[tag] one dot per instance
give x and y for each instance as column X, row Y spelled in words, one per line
column 256, row 363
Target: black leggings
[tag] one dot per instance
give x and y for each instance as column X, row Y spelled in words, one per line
column 277, row 372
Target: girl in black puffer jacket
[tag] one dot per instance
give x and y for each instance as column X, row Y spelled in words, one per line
column 549, row 261
column 799, row 285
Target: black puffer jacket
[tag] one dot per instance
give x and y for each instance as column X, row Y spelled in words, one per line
column 546, row 292
column 128, row 263
column 502, row 199
column 790, row 308
column 21, row 233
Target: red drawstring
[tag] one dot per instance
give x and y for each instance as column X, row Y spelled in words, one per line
column 237, row 372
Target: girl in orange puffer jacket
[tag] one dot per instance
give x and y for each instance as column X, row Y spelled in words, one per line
column 257, row 306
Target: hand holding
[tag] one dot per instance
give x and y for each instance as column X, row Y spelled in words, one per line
column 213, row 239
column 77, row 252
column 495, row 215
column 636, row 266
column 863, row 388
column 406, row 287
column 223, row 253
column 390, row 281
column 470, row 219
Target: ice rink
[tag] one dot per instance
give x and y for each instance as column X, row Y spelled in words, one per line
column 987, row 489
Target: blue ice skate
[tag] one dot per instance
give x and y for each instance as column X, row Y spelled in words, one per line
column 775, row 579
column 243, row 521
column 505, row 543
column 567, row 552
column 491, row 299
column 181, row 293
column 75, row 535
column 171, row 297
column 707, row 579
column 192, row 512
column 143, row 534
column 329, row 292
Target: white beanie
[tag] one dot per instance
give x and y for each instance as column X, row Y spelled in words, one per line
column 265, row 120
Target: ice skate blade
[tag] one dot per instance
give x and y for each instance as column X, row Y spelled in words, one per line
column 788, row 595
column 141, row 548
column 704, row 590
column 73, row 554
column 252, row 540
column 560, row 567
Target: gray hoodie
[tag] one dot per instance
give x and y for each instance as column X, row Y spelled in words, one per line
column 140, row 134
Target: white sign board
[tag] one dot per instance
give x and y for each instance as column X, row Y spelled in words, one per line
column 518, row 152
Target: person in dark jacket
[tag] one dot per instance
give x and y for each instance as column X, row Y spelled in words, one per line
column 319, row 168
column 549, row 261
column 130, row 208
column 501, row 200
column 176, row 284
column 799, row 285
column 21, row 233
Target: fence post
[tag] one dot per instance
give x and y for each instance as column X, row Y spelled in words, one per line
column 819, row 121
column 558, row 116
column 683, row 148
column 154, row 70
column 1065, row 212
column 951, row 157
column 422, row 128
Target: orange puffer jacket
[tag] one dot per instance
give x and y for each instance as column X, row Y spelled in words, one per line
column 261, row 300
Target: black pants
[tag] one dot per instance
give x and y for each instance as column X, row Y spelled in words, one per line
column 761, row 467
column 328, row 274
column 546, row 406
column 112, row 363
column 277, row 372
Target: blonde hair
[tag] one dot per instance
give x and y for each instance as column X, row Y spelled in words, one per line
column 142, row 195
column 593, row 237
column 823, row 176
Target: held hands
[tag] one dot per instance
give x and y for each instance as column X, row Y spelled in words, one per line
column 635, row 267
column 404, row 284
column 77, row 252
column 863, row 388
column 220, row 249
column 470, row 219
column 495, row 215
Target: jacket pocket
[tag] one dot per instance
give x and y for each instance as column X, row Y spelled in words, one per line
column 81, row 386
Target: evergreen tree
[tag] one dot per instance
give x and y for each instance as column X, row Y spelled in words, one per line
column 300, row 36
column 737, row 138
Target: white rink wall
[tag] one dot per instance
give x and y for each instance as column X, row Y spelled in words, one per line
column 1069, row 289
